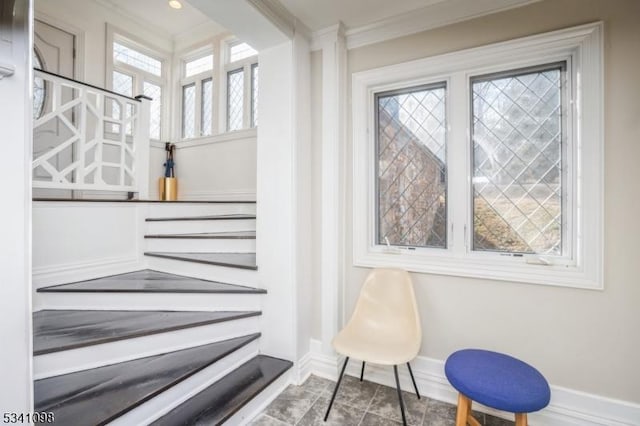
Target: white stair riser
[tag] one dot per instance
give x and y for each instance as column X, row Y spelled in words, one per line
column 208, row 245
column 199, row 209
column 254, row 407
column 68, row 361
column 149, row 301
column 199, row 226
column 186, row 389
column 225, row 274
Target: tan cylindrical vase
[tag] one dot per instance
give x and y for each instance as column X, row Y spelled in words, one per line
column 168, row 189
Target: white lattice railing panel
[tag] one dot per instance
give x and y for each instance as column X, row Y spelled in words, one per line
column 87, row 138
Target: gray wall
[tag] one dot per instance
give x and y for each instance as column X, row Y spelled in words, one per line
column 580, row 339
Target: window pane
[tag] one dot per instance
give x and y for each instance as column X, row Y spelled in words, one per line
column 123, row 84
column 189, row 111
column 411, row 167
column 207, row 107
column 39, row 89
column 154, row 92
column 240, row 51
column 254, row 95
column 235, row 99
column 136, row 59
column 517, row 161
column 198, row 65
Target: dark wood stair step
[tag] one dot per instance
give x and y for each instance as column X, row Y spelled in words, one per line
column 217, row 403
column 233, row 260
column 239, row 235
column 194, row 218
column 99, row 395
column 148, row 281
column 59, row 330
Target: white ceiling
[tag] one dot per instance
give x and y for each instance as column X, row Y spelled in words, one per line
column 318, row 14
column 158, row 14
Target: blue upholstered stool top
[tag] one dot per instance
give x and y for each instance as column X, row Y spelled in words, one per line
column 497, row 380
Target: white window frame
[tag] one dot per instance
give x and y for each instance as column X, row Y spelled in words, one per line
column 140, row 76
column 197, row 80
column 246, row 65
column 581, row 47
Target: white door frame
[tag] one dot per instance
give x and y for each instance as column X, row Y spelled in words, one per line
column 16, row 387
column 79, row 40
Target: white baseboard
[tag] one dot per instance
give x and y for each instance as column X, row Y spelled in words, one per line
column 568, row 407
column 246, row 195
column 71, row 272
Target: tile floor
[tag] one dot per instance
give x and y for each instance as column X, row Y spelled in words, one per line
column 358, row 404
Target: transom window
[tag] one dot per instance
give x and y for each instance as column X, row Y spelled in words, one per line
column 478, row 164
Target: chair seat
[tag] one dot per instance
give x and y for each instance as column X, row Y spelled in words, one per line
column 376, row 348
column 497, row 380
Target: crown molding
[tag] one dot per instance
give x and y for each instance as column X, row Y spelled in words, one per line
column 280, row 16
column 433, row 16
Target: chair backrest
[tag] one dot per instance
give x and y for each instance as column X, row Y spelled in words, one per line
column 387, row 303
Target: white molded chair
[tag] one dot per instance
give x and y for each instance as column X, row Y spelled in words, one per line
column 384, row 328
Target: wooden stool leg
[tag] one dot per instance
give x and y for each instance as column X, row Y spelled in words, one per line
column 464, row 408
column 521, row 419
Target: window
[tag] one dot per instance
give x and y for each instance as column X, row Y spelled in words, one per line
column 517, row 133
column 197, row 95
column 137, row 69
column 242, row 86
column 411, row 167
column 472, row 165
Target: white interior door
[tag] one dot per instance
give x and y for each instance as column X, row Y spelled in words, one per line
column 54, row 52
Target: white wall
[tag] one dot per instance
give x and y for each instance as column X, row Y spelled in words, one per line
column 582, row 340
column 16, row 387
column 74, row 241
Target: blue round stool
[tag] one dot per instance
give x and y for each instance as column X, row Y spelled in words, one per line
column 496, row 380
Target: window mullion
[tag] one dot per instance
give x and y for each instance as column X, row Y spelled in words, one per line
column 458, row 176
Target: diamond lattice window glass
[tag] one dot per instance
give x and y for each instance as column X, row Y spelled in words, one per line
column 254, row 95
column 39, row 89
column 517, row 134
column 198, row 66
column 155, row 93
column 136, row 59
column 240, row 51
column 411, row 167
column 189, row 111
column 235, row 99
column 207, row 107
column 122, row 84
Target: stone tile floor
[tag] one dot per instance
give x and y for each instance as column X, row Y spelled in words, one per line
column 358, row 404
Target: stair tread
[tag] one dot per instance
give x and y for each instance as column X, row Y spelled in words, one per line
column 149, row 281
column 217, row 403
column 97, row 396
column 210, row 217
column 234, row 260
column 59, row 330
column 239, row 235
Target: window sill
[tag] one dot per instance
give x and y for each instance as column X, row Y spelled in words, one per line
column 208, row 140
column 482, row 267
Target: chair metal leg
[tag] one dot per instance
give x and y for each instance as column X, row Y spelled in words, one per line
column 335, row 391
column 362, row 372
column 414, row 381
column 404, row 419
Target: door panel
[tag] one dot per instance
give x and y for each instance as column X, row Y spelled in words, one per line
column 54, row 52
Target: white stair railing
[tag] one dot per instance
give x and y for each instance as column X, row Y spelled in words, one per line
column 89, row 139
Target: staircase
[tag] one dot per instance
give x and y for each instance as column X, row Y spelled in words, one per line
column 175, row 343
